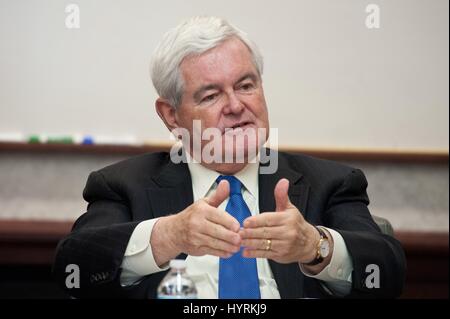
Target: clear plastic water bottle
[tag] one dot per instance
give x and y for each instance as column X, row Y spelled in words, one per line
column 177, row 284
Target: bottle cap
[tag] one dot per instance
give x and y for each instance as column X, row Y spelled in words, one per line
column 177, row 263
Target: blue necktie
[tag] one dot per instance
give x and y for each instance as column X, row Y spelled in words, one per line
column 238, row 276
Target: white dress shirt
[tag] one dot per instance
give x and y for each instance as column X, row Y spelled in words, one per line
column 204, row 270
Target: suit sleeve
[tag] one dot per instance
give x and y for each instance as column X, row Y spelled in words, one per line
column 97, row 245
column 379, row 264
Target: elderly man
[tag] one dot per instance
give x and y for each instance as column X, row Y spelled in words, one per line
column 303, row 230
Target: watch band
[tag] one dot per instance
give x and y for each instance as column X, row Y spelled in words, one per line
column 319, row 258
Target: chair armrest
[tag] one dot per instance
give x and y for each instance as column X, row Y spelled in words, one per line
column 384, row 224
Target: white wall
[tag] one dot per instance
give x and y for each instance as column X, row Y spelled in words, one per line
column 329, row 81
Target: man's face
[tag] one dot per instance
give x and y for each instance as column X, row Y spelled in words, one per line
column 222, row 89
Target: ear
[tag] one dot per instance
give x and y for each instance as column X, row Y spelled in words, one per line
column 167, row 113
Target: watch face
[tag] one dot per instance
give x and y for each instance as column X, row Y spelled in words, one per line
column 324, row 248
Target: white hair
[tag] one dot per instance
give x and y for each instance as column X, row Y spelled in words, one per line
column 192, row 37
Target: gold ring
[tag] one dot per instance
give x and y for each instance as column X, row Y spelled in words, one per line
column 268, row 244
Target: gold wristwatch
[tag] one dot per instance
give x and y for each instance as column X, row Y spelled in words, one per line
column 323, row 248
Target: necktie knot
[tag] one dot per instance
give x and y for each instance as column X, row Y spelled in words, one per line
column 235, row 184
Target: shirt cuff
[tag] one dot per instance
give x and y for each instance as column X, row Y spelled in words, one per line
column 338, row 273
column 138, row 260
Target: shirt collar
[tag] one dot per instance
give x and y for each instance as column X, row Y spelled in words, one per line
column 203, row 179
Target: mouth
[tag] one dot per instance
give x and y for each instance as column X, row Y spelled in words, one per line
column 241, row 125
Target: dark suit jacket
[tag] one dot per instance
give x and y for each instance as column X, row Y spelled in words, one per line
column 122, row 195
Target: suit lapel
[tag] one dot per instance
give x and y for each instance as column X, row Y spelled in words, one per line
column 172, row 190
column 288, row 276
column 298, row 187
column 298, row 190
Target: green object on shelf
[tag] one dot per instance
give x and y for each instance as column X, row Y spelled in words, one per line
column 33, row 139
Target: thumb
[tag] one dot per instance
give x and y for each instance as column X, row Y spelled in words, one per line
column 281, row 195
column 222, row 192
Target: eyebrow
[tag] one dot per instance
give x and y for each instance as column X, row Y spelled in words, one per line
column 252, row 76
column 197, row 94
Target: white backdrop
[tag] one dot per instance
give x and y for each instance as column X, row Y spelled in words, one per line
column 329, row 80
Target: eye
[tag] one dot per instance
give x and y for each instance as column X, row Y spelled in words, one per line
column 209, row 98
column 246, row 86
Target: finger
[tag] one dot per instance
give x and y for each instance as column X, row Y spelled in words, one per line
column 258, row 253
column 281, row 195
column 261, row 244
column 221, row 193
column 218, row 231
column 264, row 220
column 218, row 244
column 277, row 232
column 224, row 219
column 204, row 250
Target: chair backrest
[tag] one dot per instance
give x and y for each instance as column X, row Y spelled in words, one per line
column 384, row 224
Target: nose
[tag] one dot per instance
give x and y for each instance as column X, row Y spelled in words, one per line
column 233, row 105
